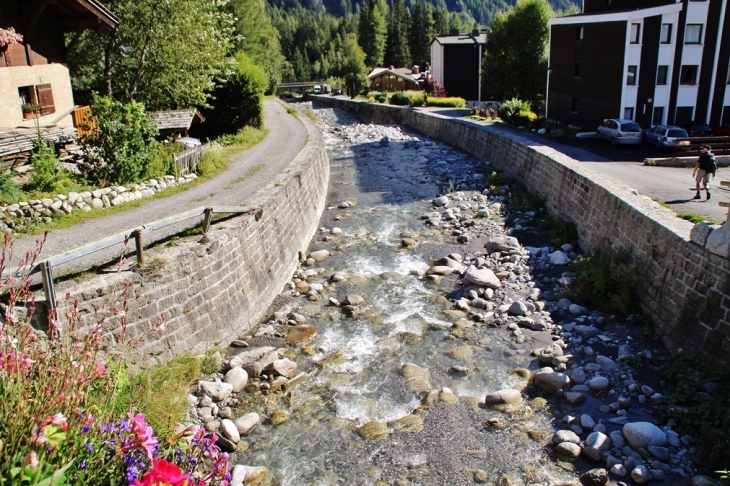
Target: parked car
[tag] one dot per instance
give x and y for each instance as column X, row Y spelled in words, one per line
column 336, row 91
column 620, row 131
column 698, row 129
column 665, row 136
column 723, row 131
column 317, row 89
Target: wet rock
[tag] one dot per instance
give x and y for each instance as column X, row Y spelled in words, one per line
column 448, row 396
column 549, row 381
column 281, row 367
column 354, row 300
column 508, row 396
column 409, row 423
column 462, row 352
column 245, row 423
column 594, row 477
column 279, row 417
column 319, row 255
column 300, row 334
column 596, row 443
column 230, row 431
column 566, row 436
column 567, row 451
column 410, row 370
column 641, row 475
column 373, row 431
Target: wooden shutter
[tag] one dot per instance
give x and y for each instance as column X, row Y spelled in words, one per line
column 45, row 99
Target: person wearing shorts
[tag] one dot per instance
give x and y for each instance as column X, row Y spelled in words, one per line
column 703, row 170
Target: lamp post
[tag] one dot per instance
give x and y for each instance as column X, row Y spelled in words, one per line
column 554, row 70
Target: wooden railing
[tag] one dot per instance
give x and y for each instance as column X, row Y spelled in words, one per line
column 83, row 121
column 186, row 162
column 720, row 146
column 45, row 267
column 724, row 204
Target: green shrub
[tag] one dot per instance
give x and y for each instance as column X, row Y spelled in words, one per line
column 510, row 110
column 418, row 99
column 10, row 192
column 161, row 159
column 606, row 280
column 451, row 102
column 525, row 118
column 118, row 151
column 399, row 99
column 378, row 96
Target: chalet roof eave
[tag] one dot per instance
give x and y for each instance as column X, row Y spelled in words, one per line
column 103, row 14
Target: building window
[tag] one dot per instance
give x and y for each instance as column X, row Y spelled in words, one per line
column 661, row 75
column 36, row 100
column 688, row 75
column 658, row 115
column 666, row 34
column 693, row 34
column 629, row 113
column 579, row 33
column 635, row 33
column 576, row 70
column 684, row 115
column 631, row 76
column 575, row 105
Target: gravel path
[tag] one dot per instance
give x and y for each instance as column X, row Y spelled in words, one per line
column 250, row 171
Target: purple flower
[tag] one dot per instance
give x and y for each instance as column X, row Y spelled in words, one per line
column 89, row 446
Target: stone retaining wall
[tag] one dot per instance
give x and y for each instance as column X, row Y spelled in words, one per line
column 685, row 270
column 211, row 290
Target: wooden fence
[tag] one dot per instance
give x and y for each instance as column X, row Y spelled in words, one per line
column 720, row 146
column 186, row 162
column 83, row 121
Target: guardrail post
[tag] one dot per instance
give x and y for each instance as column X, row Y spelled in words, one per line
column 47, row 276
column 206, row 220
column 139, row 246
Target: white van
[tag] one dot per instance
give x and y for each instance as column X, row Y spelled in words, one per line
column 317, row 89
column 326, row 89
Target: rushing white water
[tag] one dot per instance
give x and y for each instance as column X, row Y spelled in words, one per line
column 354, row 369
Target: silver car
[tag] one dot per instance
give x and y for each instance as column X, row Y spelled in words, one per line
column 666, row 136
column 620, row 131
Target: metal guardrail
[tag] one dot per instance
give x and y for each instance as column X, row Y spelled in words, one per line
column 45, row 267
column 720, row 146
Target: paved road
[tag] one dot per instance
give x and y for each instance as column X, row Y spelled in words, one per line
column 672, row 185
column 250, row 171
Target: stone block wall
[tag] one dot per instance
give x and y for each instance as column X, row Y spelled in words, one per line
column 684, row 270
column 210, row 291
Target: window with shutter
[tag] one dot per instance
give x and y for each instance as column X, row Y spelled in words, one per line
column 45, row 99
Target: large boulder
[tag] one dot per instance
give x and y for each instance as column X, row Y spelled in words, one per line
column 482, row 276
column 501, row 243
column 641, row 435
column 218, row 391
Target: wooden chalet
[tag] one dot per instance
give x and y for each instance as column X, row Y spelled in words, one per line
column 394, row 79
column 176, row 122
column 35, row 85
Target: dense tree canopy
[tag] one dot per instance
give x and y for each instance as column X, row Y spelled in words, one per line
column 515, row 59
column 372, row 31
column 165, row 53
column 397, row 51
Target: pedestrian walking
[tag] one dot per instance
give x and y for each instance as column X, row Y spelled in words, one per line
column 705, row 167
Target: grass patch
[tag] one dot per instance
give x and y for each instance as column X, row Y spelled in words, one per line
column 697, row 402
column 606, row 280
column 253, row 170
column 446, row 102
column 310, row 114
column 160, row 392
column 695, row 218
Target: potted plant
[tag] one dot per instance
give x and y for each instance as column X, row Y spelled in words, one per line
column 30, row 110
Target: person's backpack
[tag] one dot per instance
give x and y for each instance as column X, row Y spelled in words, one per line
column 711, row 164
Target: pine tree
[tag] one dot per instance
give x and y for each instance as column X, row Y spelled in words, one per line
column 397, row 52
column 372, row 31
column 421, row 35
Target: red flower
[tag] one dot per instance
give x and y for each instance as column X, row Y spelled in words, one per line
column 163, row 473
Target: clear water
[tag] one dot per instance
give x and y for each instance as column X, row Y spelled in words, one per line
column 353, row 375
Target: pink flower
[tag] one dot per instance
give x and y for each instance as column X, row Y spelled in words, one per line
column 143, row 434
column 163, row 472
column 60, row 420
column 100, row 368
column 33, row 460
column 120, row 312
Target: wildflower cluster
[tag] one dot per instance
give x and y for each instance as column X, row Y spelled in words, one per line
column 9, row 36
column 64, row 415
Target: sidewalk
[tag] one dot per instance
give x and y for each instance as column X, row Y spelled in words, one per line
column 251, row 170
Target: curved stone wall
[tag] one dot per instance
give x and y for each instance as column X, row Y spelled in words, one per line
column 685, row 270
column 211, row 290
